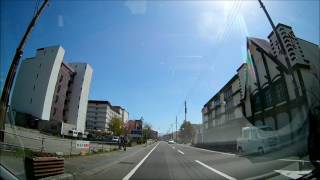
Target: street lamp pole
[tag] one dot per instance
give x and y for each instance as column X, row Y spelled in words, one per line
column 13, row 68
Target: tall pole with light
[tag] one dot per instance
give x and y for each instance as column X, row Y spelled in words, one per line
column 4, row 102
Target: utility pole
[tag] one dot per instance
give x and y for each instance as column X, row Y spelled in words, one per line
column 176, row 128
column 185, row 111
column 172, row 131
column 13, row 68
column 283, row 51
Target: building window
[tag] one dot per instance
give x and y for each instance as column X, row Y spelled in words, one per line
column 40, row 65
column 57, row 99
column 257, row 105
column 217, row 102
column 268, row 97
column 37, row 75
column 61, row 78
column 59, row 87
column 218, row 111
column 280, row 91
column 228, row 93
column 34, row 87
column 229, row 104
column 30, row 100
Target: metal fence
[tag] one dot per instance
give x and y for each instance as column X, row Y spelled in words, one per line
column 27, row 139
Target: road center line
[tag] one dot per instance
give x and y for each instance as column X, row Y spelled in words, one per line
column 128, row 176
column 180, row 151
column 216, row 171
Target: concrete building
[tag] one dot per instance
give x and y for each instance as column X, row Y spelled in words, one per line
column 268, row 90
column 153, row 134
column 134, row 128
column 223, row 113
column 100, row 113
column 279, row 92
column 61, row 93
column 124, row 115
column 52, row 92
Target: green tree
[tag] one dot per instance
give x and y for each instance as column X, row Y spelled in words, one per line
column 146, row 131
column 116, row 125
column 186, row 132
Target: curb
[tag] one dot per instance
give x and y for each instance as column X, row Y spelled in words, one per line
column 66, row 176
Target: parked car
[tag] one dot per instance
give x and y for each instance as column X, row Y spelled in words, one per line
column 115, row 139
column 170, row 141
column 257, row 139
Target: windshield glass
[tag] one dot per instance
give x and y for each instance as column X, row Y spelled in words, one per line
column 143, row 89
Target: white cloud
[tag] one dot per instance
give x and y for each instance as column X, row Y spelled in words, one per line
column 136, row 7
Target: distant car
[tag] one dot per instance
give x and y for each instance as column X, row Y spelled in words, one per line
column 115, row 139
column 171, row 142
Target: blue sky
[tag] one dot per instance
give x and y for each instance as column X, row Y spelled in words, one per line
column 149, row 56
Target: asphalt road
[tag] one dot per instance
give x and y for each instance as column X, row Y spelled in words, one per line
column 174, row 161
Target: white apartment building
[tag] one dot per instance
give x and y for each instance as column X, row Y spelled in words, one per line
column 53, row 92
column 35, row 83
column 100, row 113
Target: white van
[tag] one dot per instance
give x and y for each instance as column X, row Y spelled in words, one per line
column 74, row 133
column 257, row 139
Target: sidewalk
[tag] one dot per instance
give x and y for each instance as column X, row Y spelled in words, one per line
column 83, row 166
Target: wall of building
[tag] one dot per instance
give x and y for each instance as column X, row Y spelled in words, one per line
column 223, row 113
column 60, row 93
column 100, row 114
column 97, row 116
column 79, row 96
column 35, row 82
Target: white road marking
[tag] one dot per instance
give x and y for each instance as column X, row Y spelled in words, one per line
column 230, row 154
column 216, row 171
column 173, row 147
column 292, row 174
column 180, row 151
column 128, row 176
column 296, row 160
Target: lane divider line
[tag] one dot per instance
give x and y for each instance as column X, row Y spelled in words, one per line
column 296, row 160
column 180, row 151
column 128, row 176
column 230, row 154
column 216, row 171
